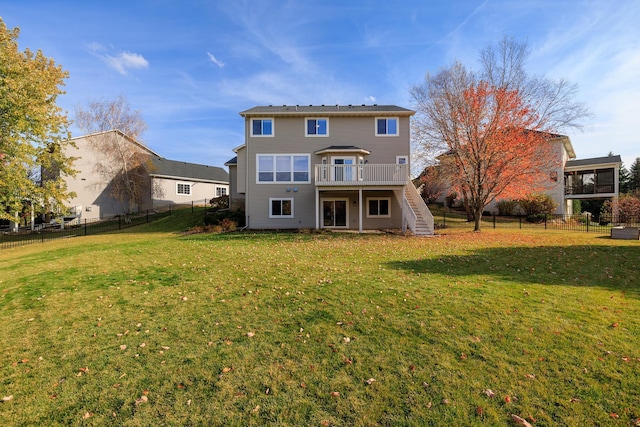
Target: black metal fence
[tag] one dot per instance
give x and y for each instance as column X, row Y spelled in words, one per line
column 581, row 223
column 85, row 227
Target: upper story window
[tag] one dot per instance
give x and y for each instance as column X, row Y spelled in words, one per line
column 183, row 189
column 283, row 168
column 261, row 127
column 317, row 127
column 387, row 126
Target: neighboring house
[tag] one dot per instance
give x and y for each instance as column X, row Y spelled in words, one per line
column 585, row 179
column 333, row 167
column 595, row 178
column 169, row 181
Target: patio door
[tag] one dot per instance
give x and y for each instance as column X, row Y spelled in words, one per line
column 334, row 212
column 342, row 171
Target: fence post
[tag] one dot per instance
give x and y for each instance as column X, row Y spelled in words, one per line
column 444, row 220
column 85, row 226
column 119, row 224
column 545, row 222
column 147, row 215
column 520, row 221
column 192, row 206
column 588, row 221
column 494, row 220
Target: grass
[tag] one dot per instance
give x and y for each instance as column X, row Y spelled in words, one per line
column 153, row 327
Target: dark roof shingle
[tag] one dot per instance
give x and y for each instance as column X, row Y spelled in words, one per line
column 327, row 109
column 176, row 169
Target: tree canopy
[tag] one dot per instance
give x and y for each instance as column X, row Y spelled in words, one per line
column 33, row 130
column 491, row 131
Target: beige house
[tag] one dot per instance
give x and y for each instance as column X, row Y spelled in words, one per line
column 342, row 167
column 173, row 182
column 584, row 179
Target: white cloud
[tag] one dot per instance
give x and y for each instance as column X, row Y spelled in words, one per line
column 215, row 60
column 126, row 60
column 121, row 62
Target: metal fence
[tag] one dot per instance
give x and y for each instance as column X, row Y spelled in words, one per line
column 580, row 223
column 85, row 227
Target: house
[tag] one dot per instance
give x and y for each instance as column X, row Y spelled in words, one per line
column 585, row 179
column 165, row 181
column 341, row 167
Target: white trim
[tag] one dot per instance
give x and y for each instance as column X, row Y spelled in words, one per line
column 184, row 184
column 281, row 199
column 334, row 199
column 306, row 127
column 388, row 199
column 273, row 127
column 397, row 119
column 292, row 155
column 405, row 157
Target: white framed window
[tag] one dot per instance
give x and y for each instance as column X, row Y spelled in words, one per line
column 317, row 127
column 262, row 127
column 379, row 207
column 280, row 208
column 221, row 191
column 183, row 189
column 283, row 168
column 386, row 126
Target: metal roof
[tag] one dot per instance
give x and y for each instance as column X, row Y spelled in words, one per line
column 182, row 170
column 329, row 110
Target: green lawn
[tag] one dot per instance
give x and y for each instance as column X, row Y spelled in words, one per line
column 153, row 327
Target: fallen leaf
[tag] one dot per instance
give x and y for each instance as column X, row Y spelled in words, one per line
column 370, row 381
column 335, row 393
column 520, row 421
column 489, row 392
column 530, row 376
column 256, row 409
column 7, row 398
column 463, row 356
column 445, row 401
column 143, row 399
column 251, row 334
column 429, row 405
column 189, row 402
column 165, row 347
column 143, row 345
column 87, row 415
column 123, row 347
column 225, row 370
column 614, row 415
column 507, row 399
column 346, row 340
column 479, row 411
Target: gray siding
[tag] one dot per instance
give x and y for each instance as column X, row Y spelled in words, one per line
column 289, row 138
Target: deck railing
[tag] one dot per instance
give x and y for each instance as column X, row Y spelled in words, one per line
column 361, row 175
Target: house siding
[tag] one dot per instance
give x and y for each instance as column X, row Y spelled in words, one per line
column 289, row 138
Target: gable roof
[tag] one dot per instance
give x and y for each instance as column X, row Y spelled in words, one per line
column 124, row 135
column 594, row 161
column 173, row 169
column 327, row 110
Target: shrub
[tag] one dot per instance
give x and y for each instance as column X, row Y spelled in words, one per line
column 537, row 207
column 507, row 207
column 627, row 210
column 216, row 218
column 451, row 199
column 219, row 203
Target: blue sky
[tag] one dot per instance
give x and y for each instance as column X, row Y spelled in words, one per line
column 191, row 66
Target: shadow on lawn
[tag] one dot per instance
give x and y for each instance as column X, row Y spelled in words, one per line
column 612, row 267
